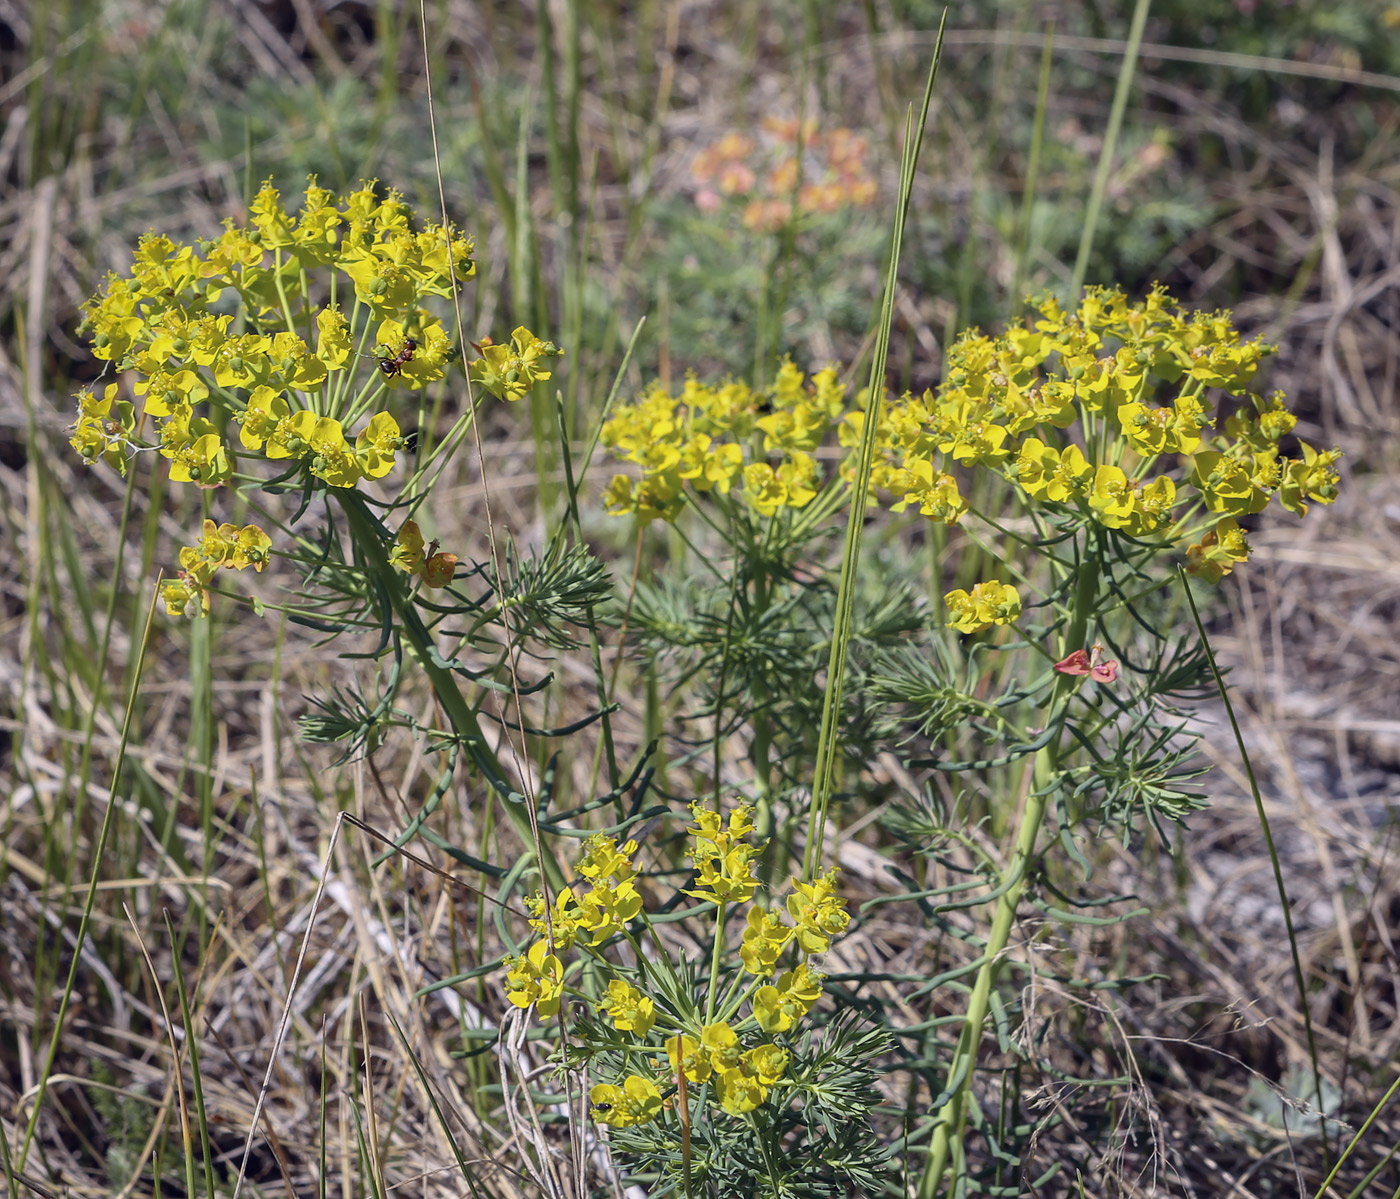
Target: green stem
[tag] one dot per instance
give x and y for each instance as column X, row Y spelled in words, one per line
column 366, row 533
column 948, row 1133
column 716, row 952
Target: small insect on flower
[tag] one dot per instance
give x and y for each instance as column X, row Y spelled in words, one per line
column 1081, row 663
column 393, row 364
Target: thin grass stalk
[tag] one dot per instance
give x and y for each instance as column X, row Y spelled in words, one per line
column 1356, row 1138
column 1299, row 978
column 108, row 820
column 192, row 1049
column 1023, row 231
column 1110, row 143
column 1360, row 1189
column 285, row 1020
column 824, row 770
column 177, row 1070
column 595, row 654
column 572, row 486
column 446, row 1125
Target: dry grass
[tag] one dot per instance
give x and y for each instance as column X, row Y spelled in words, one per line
column 1305, row 232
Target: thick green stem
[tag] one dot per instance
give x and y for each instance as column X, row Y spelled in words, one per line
column 366, row 533
column 948, row 1133
column 761, row 751
column 716, row 955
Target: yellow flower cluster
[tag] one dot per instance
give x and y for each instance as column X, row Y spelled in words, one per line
column 222, row 546
column 734, row 1053
column 277, row 367
column 1104, row 409
column 252, row 328
column 718, row 439
column 791, row 169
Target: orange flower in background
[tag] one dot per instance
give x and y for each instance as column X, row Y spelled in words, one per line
column 785, row 174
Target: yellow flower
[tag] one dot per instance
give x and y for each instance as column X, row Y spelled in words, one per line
column 562, row 920
column 242, row 361
column 764, row 488
column 726, row 877
column 603, row 858
column 631, row 1011
column 739, row 1092
column 537, row 977
column 202, row 461
column 333, row 344
column 509, row 372
column 376, row 445
column 407, row 551
column 1226, row 486
column 712, row 834
column 637, row 1101
column 992, row 602
column 266, row 410
column 682, row 1049
column 764, row 939
column 1313, row 477
column 722, row 1044
column 778, row 1008
column 1218, row 552
column 606, row 910
column 1114, row 498
column 103, row 427
column 253, row 548
column 936, row 494
column 819, row 912
column 767, row 1063
column 332, row 458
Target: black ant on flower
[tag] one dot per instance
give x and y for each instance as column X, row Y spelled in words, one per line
column 393, row 364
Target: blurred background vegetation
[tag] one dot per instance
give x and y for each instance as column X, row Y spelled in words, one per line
column 1258, row 168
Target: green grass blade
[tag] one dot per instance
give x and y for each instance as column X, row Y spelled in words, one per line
column 1110, row 143
column 108, row 821
column 824, row 770
column 1023, row 230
